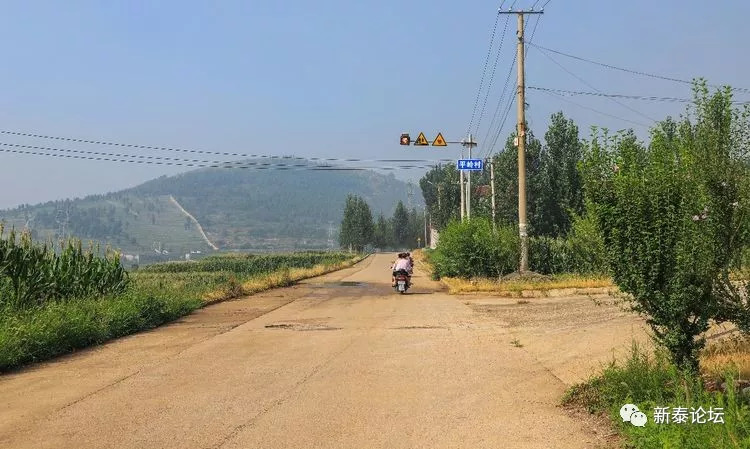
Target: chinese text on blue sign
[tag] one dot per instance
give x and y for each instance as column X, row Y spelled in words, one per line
column 470, row 164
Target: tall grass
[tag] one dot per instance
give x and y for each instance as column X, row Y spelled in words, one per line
column 652, row 382
column 152, row 296
column 33, row 274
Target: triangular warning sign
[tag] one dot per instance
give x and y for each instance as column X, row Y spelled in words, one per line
column 439, row 141
column 421, row 140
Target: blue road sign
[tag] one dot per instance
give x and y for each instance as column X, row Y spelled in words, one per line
column 470, row 164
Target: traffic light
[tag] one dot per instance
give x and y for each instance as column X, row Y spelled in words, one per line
column 405, row 139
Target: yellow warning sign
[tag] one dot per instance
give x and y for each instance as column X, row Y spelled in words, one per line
column 439, row 141
column 421, row 140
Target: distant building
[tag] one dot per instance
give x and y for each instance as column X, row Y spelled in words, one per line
column 131, row 257
column 434, row 237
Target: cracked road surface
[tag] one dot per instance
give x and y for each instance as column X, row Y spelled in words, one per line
column 338, row 361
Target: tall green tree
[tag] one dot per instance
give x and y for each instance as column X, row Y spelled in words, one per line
column 400, row 225
column 357, row 225
column 383, row 235
column 441, row 194
column 674, row 217
column 416, row 228
column 506, row 180
column 559, row 193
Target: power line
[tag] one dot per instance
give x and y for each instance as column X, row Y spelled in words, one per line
column 151, row 162
column 110, row 157
column 630, row 97
column 98, row 153
column 545, row 4
column 490, row 148
column 533, row 32
column 218, row 153
column 502, row 125
column 552, row 94
column 592, row 87
column 499, row 104
column 634, row 72
column 484, row 72
column 492, row 75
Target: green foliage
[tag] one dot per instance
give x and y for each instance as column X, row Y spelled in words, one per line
column 554, row 185
column 441, row 193
column 156, row 295
column 400, row 225
column 650, row 382
column 560, row 193
column 674, row 218
column 506, row 180
column 472, row 249
column 32, row 274
column 357, row 226
column 56, row 328
column 581, row 251
column 382, row 235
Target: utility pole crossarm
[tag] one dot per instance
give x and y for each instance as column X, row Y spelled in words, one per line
column 521, row 11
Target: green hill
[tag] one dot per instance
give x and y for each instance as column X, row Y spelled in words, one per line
column 237, row 209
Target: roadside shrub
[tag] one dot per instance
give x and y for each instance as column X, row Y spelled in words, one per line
column 652, row 382
column 674, row 218
column 473, row 249
column 580, row 252
column 56, row 328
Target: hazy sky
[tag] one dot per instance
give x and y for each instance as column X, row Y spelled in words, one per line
column 325, row 78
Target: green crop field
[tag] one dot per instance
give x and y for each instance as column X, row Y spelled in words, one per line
column 57, row 299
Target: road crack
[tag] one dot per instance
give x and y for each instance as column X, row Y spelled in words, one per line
column 284, row 397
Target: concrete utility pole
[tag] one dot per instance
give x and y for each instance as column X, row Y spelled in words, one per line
column 463, row 191
column 471, row 144
column 521, row 137
column 492, row 187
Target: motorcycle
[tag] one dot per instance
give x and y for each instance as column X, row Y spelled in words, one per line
column 403, row 281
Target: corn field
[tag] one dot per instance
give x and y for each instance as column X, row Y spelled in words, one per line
column 32, row 274
column 250, row 264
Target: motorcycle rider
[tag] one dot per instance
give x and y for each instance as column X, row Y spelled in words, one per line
column 402, row 263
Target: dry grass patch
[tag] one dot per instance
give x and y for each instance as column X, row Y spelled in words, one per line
column 514, row 287
column 420, row 259
column 511, row 288
column 276, row 279
column 729, row 353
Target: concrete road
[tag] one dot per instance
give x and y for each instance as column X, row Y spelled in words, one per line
column 339, row 361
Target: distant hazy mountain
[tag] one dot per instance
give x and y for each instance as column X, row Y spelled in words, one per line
column 230, row 209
